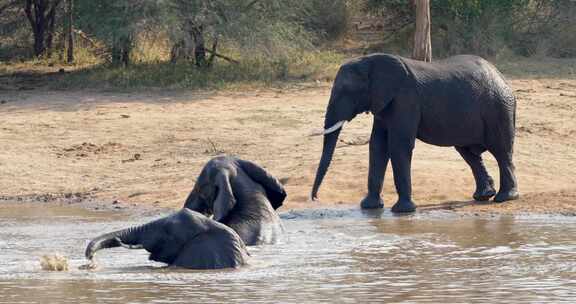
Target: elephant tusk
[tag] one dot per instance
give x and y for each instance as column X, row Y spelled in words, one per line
column 128, row 246
column 327, row 131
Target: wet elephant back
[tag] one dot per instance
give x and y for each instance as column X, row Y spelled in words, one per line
column 256, row 224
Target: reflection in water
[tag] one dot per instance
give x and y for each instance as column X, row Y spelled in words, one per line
column 326, row 256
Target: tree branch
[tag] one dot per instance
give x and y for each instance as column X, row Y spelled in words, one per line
column 250, row 5
column 222, row 56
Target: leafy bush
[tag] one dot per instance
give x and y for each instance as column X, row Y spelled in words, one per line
column 329, row 20
column 486, row 27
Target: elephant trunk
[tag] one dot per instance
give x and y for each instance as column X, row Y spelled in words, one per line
column 330, row 141
column 338, row 112
column 129, row 238
column 196, row 203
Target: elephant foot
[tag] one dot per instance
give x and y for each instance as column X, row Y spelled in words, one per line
column 484, row 194
column 372, row 202
column 404, row 206
column 509, row 195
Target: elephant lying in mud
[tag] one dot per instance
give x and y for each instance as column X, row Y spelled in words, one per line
column 241, row 195
column 462, row 101
column 184, row 239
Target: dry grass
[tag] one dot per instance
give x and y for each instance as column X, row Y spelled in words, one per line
column 150, row 73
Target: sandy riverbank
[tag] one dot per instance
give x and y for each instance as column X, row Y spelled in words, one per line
column 147, row 148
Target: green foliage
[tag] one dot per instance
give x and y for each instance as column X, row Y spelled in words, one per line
column 15, row 32
column 257, row 27
column 486, row 27
column 328, row 19
column 111, row 20
column 547, row 29
column 479, row 26
column 116, row 23
column 273, row 40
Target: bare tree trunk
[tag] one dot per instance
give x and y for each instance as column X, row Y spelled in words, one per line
column 61, row 46
column 120, row 52
column 50, row 20
column 37, row 23
column 422, row 42
column 192, row 45
column 176, row 51
column 199, row 46
column 41, row 16
column 69, row 33
column 183, row 49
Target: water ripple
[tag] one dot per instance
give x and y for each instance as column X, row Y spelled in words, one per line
column 326, row 256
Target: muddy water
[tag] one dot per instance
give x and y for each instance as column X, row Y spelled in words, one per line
column 334, row 256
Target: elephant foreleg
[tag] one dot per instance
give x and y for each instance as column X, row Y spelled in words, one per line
column 484, row 182
column 379, row 156
column 401, row 165
column 401, row 146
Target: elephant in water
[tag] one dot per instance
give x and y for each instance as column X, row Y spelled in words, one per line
column 241, row 195
column 462, row 102
column 184, row 239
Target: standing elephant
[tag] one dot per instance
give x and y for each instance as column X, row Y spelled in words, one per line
column 241, row 195
column 462, row 101
column 185, row 239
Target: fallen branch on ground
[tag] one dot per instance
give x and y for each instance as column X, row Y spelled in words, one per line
column 223, row 57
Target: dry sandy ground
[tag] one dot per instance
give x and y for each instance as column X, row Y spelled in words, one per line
column 147, row 148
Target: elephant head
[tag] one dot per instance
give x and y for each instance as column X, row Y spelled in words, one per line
column 223, row 179
column 366, row 84
column 185, row 239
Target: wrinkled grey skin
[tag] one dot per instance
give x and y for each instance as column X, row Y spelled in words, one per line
column 241, row 195
column 462, row 101
column 184, row 239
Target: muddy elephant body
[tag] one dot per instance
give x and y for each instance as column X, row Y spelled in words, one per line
column 462, row 101
column 185, row 239
column 241, row 195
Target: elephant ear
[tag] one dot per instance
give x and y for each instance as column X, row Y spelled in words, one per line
column 274, row 190
column 162, row 241
column 225, row 200
column 388, row 75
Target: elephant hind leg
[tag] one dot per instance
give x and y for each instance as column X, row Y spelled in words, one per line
column 484, row 182
column 501, row 145
column 508, row 186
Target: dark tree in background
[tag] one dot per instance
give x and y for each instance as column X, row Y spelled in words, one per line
column 422, row 43
column 41, row 15
column 69, row 31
